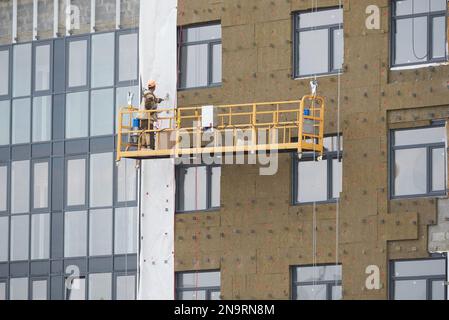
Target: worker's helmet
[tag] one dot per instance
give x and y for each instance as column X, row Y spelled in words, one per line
column 151, row 84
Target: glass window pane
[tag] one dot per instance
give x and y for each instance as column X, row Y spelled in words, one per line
column 100, row 232
column 439, row 38
column 126, row 287
column 42, row 65
column 77, row 290
column 102, row 112
column 127, row 69
column 75, row 234
column 102, row 60
column 125, row 231
column 40, row 188
column 411, row 49
column 2, row 291
column 77, row 106
column 126, row 180
column 410, row 172
column 100, row 286
column 193, row 193
column 76, row 182
column 20, row 186
column 18, row 289
column 216, row 63
column 420, row 136
column 4, row 122
column 311, row 42
column 215, row 295
column 317, row 292
column 410, row 290
column 192, row 295
column 198, row 279
column 3, row 188
column 19, row 237
column 312, row 181
column 4, row 238
column 216, row 187
column 338, row 49
column 201, row 33
column 40, row 236
column 438, row 290
column 77, row 63
column 21, row 70
column 337, row 293
column 101, row 179
column 420, row 268
column 337, row 180
column 42, row 118
column 39, row 290
column 4, row 75
column 121, row 100
column 405, row 7
column 318, row 273
column 21, row 122
column 194, row 68
column 321, row 18
column 438, row 169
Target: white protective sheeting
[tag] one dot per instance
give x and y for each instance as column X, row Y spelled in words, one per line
column 158, row 61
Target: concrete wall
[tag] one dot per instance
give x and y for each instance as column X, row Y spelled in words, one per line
column 257, row 234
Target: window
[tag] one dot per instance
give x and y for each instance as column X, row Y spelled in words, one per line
column 100, row 286
column 21, row 70
column 40, row 185
column 42, row 58
column 317, row 282
column 100, row 232
column 101, row 112
column 76, row 290
column 2, row 291
column 126, row 287
column 126, row 181
column 200, row 56
column 198, row 285
column 5, row 110
column 418, row 32
column 318, row 181
column 76, row 182
column 42, row 119
column 127, row 57
column 77, row 63
column 101, row 179
column 418, row 279
column 121, row 100
column 3, row 188
column 21, row 120
column 18, row 289
column 77, row 106
column 198, row 188
column 318, row 42
column 20, row 186
column 39, row 290
column 40, row 236
column 418, row 162
column 4, row 75
column 125, row 231
column 75, row 234
column 4, row 238
column 102, row 70
column 19, row 237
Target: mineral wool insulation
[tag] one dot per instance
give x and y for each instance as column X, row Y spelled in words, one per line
column 158, row 61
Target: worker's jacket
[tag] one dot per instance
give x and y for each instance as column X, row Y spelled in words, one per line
column 150, row 102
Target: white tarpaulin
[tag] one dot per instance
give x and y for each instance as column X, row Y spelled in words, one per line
column 158, row 61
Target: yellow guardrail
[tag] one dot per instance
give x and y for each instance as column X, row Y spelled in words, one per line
column 171, row 132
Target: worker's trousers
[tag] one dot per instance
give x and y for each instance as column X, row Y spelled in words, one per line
column 147, row 139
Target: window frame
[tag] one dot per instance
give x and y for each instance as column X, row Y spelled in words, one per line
column 68, row 40
column 429, row 279
column 125, row 83
column 208, row 290
column 180, row 189
column 429, row 147
column 430, row 16
column 85, row 206
column 49, row 92
column 330, row 284
column 210, row 45
column 8, row 48
column 331, row 28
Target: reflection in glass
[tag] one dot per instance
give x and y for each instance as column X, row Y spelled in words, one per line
column 40, row 236
column 21, row 70
column 127, row 68
column 39, row 289
column 76, row 182
column 100, row 232
column 20, row 186
column 40, row 188
column 42, row 118
column 21, row 122
column 75, row 234
column 100, row 286
column 18, row 289
column 102, row 72
column 19, row 238
column 101, row 112
column 126, row 287
column 77, row 106
column 42, row 65
column 77, row 63
column 410, row 172
column 101, row 179
column 125, row 231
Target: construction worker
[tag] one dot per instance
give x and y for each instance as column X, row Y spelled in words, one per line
column 149, row 102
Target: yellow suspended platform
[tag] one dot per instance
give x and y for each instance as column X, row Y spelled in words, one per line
column 295, row 126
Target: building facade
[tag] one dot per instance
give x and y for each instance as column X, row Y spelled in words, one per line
column 374, row 208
